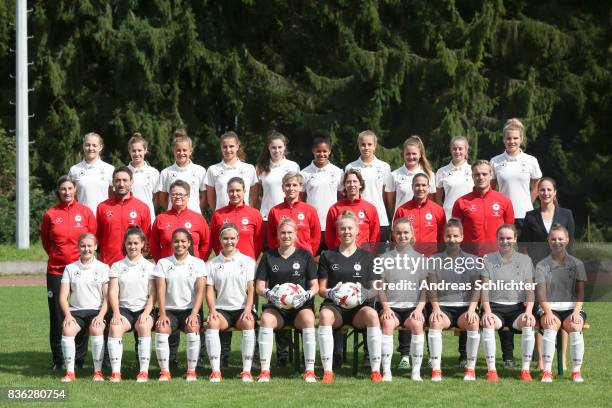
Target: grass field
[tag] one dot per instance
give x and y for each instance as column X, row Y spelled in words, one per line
column 25, row 362
column 34, row 253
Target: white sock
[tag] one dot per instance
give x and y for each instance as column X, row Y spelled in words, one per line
column 97, row 351
column 248, row 349
column 326, row 347
column 435, row 348
column 548, row 348
column 416, row 352
column 68, row 350
column 576, row 341
column 488, row 340
column 473, row 340
column 374, row 339
column 386, row 351
column 527, row 343
column 162, row 350
column 309, row 338
column 115, row 352
column 193, row 350
column 213, row 348
column 144, row 352
column 266, row 341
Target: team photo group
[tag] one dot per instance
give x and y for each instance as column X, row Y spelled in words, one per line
column 314, row 249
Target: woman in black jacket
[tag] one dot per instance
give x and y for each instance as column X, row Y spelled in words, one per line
column 538, row 222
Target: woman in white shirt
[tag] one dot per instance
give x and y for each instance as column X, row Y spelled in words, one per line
column 232, row 165
column 272, row 165
column 454, row 179
column 145, row 178
column 180, row 280
column 375, row 174
column 85, row 283
column 230, row 297
column 131, row 296
column 186, row 170
column 516, row 173
column 93, row 177
column 322, row 183
column 398, row 189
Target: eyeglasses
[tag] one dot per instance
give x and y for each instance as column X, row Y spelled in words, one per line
column 178, row 195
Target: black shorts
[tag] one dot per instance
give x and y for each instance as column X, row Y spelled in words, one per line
column 347, row 315
column 403, row 314
column 561, row 314
column 453, row 313
column 178, row 318
column 232, row 316
column 131, row 317
column 288, row 315
column 507, row 314
column 85, row 317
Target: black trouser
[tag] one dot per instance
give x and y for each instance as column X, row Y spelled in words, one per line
column 404, row 337
column 173, row 342
column 506, row 338
column 462, row 344
column 56, row 319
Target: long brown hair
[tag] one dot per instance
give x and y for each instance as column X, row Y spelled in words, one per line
column 263, row 160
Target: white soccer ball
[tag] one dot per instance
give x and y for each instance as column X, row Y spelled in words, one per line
column 286, row 292
column 349, row 295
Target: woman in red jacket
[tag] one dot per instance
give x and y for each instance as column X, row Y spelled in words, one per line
column 60, row 229
column 248, row 219
column 179, row 216
column 367, row 215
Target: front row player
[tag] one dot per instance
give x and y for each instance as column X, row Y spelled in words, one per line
column 229, row 294
column 402, row 307
column 561, row 278
column 287, row 264
column 453, row 308
column 347, row 263
column 509, row 307
column 180, row 281
column 131, row 297
column 86, row 283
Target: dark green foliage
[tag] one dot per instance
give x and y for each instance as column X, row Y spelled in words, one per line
column 437, row 69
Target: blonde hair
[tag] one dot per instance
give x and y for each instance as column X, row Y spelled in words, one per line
column 293, row 175
column 464, row 140
column 87, row 235
column 367, row 133
column 180, row 136
column 94, row 134
column 347, row 215
column 515, row 124
column 286, row 221
column 415, row 140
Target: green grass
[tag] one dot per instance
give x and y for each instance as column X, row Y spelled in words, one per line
column 34, row 253
column 25, row 362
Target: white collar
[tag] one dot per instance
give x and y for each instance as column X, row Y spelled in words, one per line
column 278, row 163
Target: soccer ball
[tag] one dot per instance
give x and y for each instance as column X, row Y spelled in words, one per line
column 349, row 295
column 286, row 292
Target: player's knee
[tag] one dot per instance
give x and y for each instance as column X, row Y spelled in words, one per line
column 268, row 320
column 326, row 317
